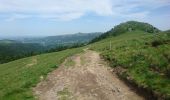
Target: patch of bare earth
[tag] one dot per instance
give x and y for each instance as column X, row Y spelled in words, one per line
column 88, row 79
column 33, row 62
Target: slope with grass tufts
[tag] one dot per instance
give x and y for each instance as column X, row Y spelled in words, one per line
column 140, row 58
column 18, row 77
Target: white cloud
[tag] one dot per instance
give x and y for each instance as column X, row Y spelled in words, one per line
column 137, row 16
column 73, row 9
column 62, row 16
column 17, row 16
column 60, row 9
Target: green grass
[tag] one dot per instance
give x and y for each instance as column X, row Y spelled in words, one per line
column 65, row 94
column 17, row 78
column 145, row 56
column 69, row 62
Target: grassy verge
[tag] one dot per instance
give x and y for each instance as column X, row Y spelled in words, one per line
column 69, row 62
column 145, row 58
column 18, row 77
column 65, row 94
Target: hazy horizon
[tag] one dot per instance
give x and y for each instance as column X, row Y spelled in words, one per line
column 39, row 36
column 55, row 17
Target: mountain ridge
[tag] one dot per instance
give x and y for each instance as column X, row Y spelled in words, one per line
column 62, row 39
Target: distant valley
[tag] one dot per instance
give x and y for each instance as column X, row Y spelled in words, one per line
column 12, row 48
column 52, row 41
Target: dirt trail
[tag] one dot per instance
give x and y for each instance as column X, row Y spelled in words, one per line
column 84, row 77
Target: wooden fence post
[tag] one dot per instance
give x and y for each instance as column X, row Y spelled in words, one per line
column 110, row 45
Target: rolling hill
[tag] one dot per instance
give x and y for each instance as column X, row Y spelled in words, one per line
column 12, row 50
column 128, row 27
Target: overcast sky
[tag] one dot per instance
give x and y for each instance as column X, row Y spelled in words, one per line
column 53, row 17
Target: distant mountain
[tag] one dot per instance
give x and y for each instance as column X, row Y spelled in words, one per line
column 21, row 47
column 52, row 41
column 6, row 41
column 126, row 27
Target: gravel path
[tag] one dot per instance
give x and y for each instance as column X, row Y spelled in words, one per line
column 84, row 77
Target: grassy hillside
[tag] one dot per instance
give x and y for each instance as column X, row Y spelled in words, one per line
column 17, row 77
column 141, row 58
column 128, row 26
